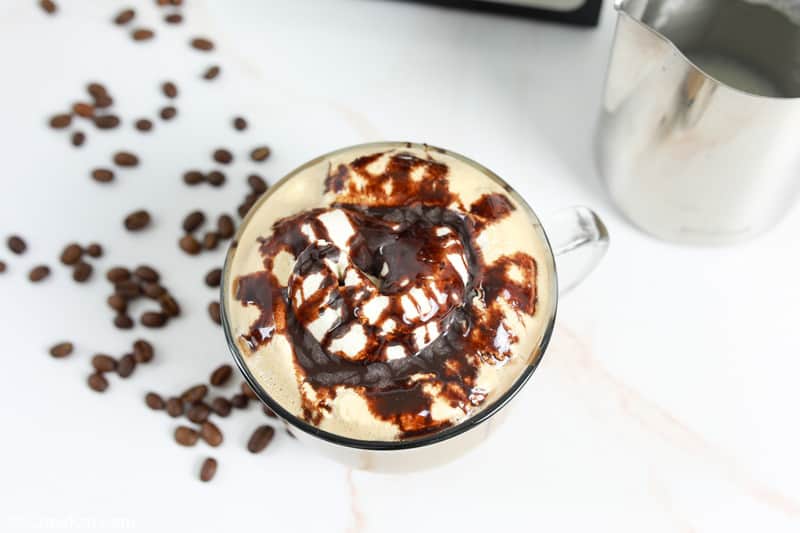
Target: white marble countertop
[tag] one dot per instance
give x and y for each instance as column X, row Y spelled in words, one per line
column 667, row 400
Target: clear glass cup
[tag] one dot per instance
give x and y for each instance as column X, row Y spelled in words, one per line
column 576, row 241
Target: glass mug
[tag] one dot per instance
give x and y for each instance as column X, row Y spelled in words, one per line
column 576, row 241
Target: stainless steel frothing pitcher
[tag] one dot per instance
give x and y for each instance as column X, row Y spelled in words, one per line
column 699, row 135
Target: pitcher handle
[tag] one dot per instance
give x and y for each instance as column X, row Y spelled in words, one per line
column 579, row 240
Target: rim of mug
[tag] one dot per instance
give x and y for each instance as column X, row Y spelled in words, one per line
column 401, row 444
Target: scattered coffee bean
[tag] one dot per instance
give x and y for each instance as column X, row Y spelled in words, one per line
column 62, row 349
column 213, row 312
column 102, row 175
column 117, row 303
column 269, row 412
column 260, row 438
column 126, row 159
column 169, row 306
column 198, row 413
column 48, row 6
column 174, row 18
column 118, row 274
column 128, row 289
column 214, row 277
column 60, row 121
column 168, row 112
column 104, row 363
column 123, row 321
column 147, row 273
column 216, row 178
column 225, row 226
column 38, row 273
column 193, row 220
column 71, row 254
column 16, row 244
column 96, row 90
column 124, row 17
column 82, row 272
column 257, row 183
column 169, row 89
column 221, row 375
column 78, row 138
column 144, row 124
column 190, row 245
column 210, row 240
column 186, row 436
column 138, row 220
column 163, row 2
column 94, row 250
column 142, row 34
column 212, row 72
column 154, row 401
column 221, row 406
column 106, row 122
column 260, row 153
column 202, row 44
column 211, row 434
column 98, row 382
column 126, row 365
column 239, row 124
column 194, row 394
column 208, row 469
column 2, row 267
column 143, row 351
column 103, row 101
column 193, row 177
column 153, row 290
column 240, row 401
column 247, row 391
column 153, row 319
column 174, row 407
column 82, row 109
column 221, row 155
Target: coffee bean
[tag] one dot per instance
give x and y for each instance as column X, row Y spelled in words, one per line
column 168, row 112
column 96, row 90
column 62, row 349
column 144, row 124
column 269, row 412
column 82, row 109
column 126, row 159
column 202, row 44
column 2, row 267
column 174, row 18
column 193, row 220
column 176, row 2
column 225, row 226
column 210, row 240
column 104, row 363
column 211, row 434
column 138, row 220
column 212, row 72
column 71, row 254
column 94, row 250
column 260, row 438
column 143, row 351
column 38, row 273
column 126, row 365
column 118, row 303
column 257, row 183
column 169, row 306
column 239, row 124
column 124, row 17
column 123, row 321
column 260, row 153
column 169, row 89
column 193, row 177
column 128, row 289
column 190, row 245
column 153, row 319
column 102, row 175
column 163, row 2
column 186, row 436
column 214, row 277
column 194, row 394
column 60, row 121
column 98, row 382
column 240, row 401
column 213, row 312
column 82, row 272
column 16, row 244
column 103, row 101
column 198, row 413
column 106, row 122
column 78, row 138
column 221, row 375
column 153, row 290
column 146, row 273
column 174, row 407
column 221, row 155
column 142, row 34
column 154, row 401
column 221, row 406
column 208, row 469
column 216, row 178
column 118, row 274
column 247, row 391
column 48, row 6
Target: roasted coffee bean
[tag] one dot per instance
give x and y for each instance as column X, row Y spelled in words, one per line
column 143, row 351
column 62, row 349
column 126, row 159
column 193, row 220
column 173, row 18
column 60, row 121
column 214, row 277
column 104, row 363
column 106, row 122
column 94, row 250
column 198, row 413
column 78, row 138
column 212, row 72
column 240, row 401
column 128, row 289
column 154, row 401
column 239, row 124
column 2, row 267
column 38, row 273
column 144, row 124
column 269, row 412
column 118, row 303
column 146, row 273
column 163, row 2
column 169, row 306
column 193, row 177
column 138, row 220
column 126, row 365
column 221, row 375
column 153, row 319
column 213, row 312
column 96, row 89
column 16, row 244
column 169, row 89
column 118, row 274
column 247, row 391
column 123, row 321
column 210, row 240
column 260, row 438
column 168, row 112
column 153, row 290
column 103, row 101
column 98, row 382
column 225, row 226
column 124, row 17
column 142, row 34
column 82, row 272
column 48, row 6
column 176, row 2
column 174, row 407
column 102, row 175
column 208, row 469
column 216, row 178
column 260, row 153
column 71, row 254
column 82, row 109
column 221, row 406
column 257, row 183
column 190, row 245
column 186, row 436
column 221, row 155
column 195, row 393
column 202, row 44
column 211, row 433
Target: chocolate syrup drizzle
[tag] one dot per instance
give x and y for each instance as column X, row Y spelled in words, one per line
column 396, row 243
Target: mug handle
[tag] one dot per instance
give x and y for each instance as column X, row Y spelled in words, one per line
column 579, row 240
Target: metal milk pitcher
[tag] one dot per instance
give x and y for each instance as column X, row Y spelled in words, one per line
column 699, row 135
